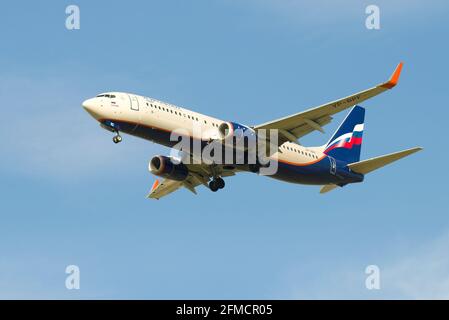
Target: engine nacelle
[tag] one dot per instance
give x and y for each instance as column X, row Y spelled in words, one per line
column 164, row 167
column 237, row 135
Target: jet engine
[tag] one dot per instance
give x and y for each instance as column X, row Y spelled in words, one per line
column 163, row 166
column 237, row 135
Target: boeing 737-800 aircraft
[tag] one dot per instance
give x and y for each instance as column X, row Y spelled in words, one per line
column 336, row 163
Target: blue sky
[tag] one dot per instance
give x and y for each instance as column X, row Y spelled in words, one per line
column 70, row 196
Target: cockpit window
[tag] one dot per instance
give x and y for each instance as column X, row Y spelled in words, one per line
column 100, row 95
column 106, row 96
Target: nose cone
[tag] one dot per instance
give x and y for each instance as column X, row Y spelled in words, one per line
column 90, row 106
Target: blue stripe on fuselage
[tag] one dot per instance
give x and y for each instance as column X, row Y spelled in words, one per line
column 317, row 173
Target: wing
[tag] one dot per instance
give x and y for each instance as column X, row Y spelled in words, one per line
column 297, row 125
column 198, row 174
column 160, row 189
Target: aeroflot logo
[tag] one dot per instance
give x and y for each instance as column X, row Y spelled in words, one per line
column 232, row 144
column 347, row 140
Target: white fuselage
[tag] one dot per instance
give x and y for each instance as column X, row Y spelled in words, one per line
column 148, row 112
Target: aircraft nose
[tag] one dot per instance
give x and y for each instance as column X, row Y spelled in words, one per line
column 91, row 106
column 88, row 105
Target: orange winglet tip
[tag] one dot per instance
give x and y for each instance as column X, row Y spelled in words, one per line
column 394, row 79
column 155, row 184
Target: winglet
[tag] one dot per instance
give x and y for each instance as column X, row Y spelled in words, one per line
column 153, row 187
column 393, row 81
column 155, row 184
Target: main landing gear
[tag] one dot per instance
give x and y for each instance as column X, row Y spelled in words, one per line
column 216, row 183
column 117, row 138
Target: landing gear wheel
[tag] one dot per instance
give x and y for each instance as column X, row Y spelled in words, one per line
column 213, row 186
column 216, row 184
column 117, row 139
column 220, row 183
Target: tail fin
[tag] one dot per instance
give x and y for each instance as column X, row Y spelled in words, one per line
column 346, row 143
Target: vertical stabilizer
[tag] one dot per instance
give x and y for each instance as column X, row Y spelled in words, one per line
column 346, row 143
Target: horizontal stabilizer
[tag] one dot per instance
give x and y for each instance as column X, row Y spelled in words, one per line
column 372, row 164
column 327, row 188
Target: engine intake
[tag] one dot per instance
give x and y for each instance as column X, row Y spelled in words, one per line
column 225, row 130
column 164, row 167
column 237, row 135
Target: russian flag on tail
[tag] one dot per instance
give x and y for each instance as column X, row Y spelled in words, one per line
column 346, row 143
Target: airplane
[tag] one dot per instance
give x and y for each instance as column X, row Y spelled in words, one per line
column 335, row 164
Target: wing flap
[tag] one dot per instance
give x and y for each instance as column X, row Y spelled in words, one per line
column 305, row 128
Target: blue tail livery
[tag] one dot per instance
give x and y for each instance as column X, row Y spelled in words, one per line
column 346, row 143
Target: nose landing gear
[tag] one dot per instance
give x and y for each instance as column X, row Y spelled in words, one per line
column 216, row 183
column 117, row 138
